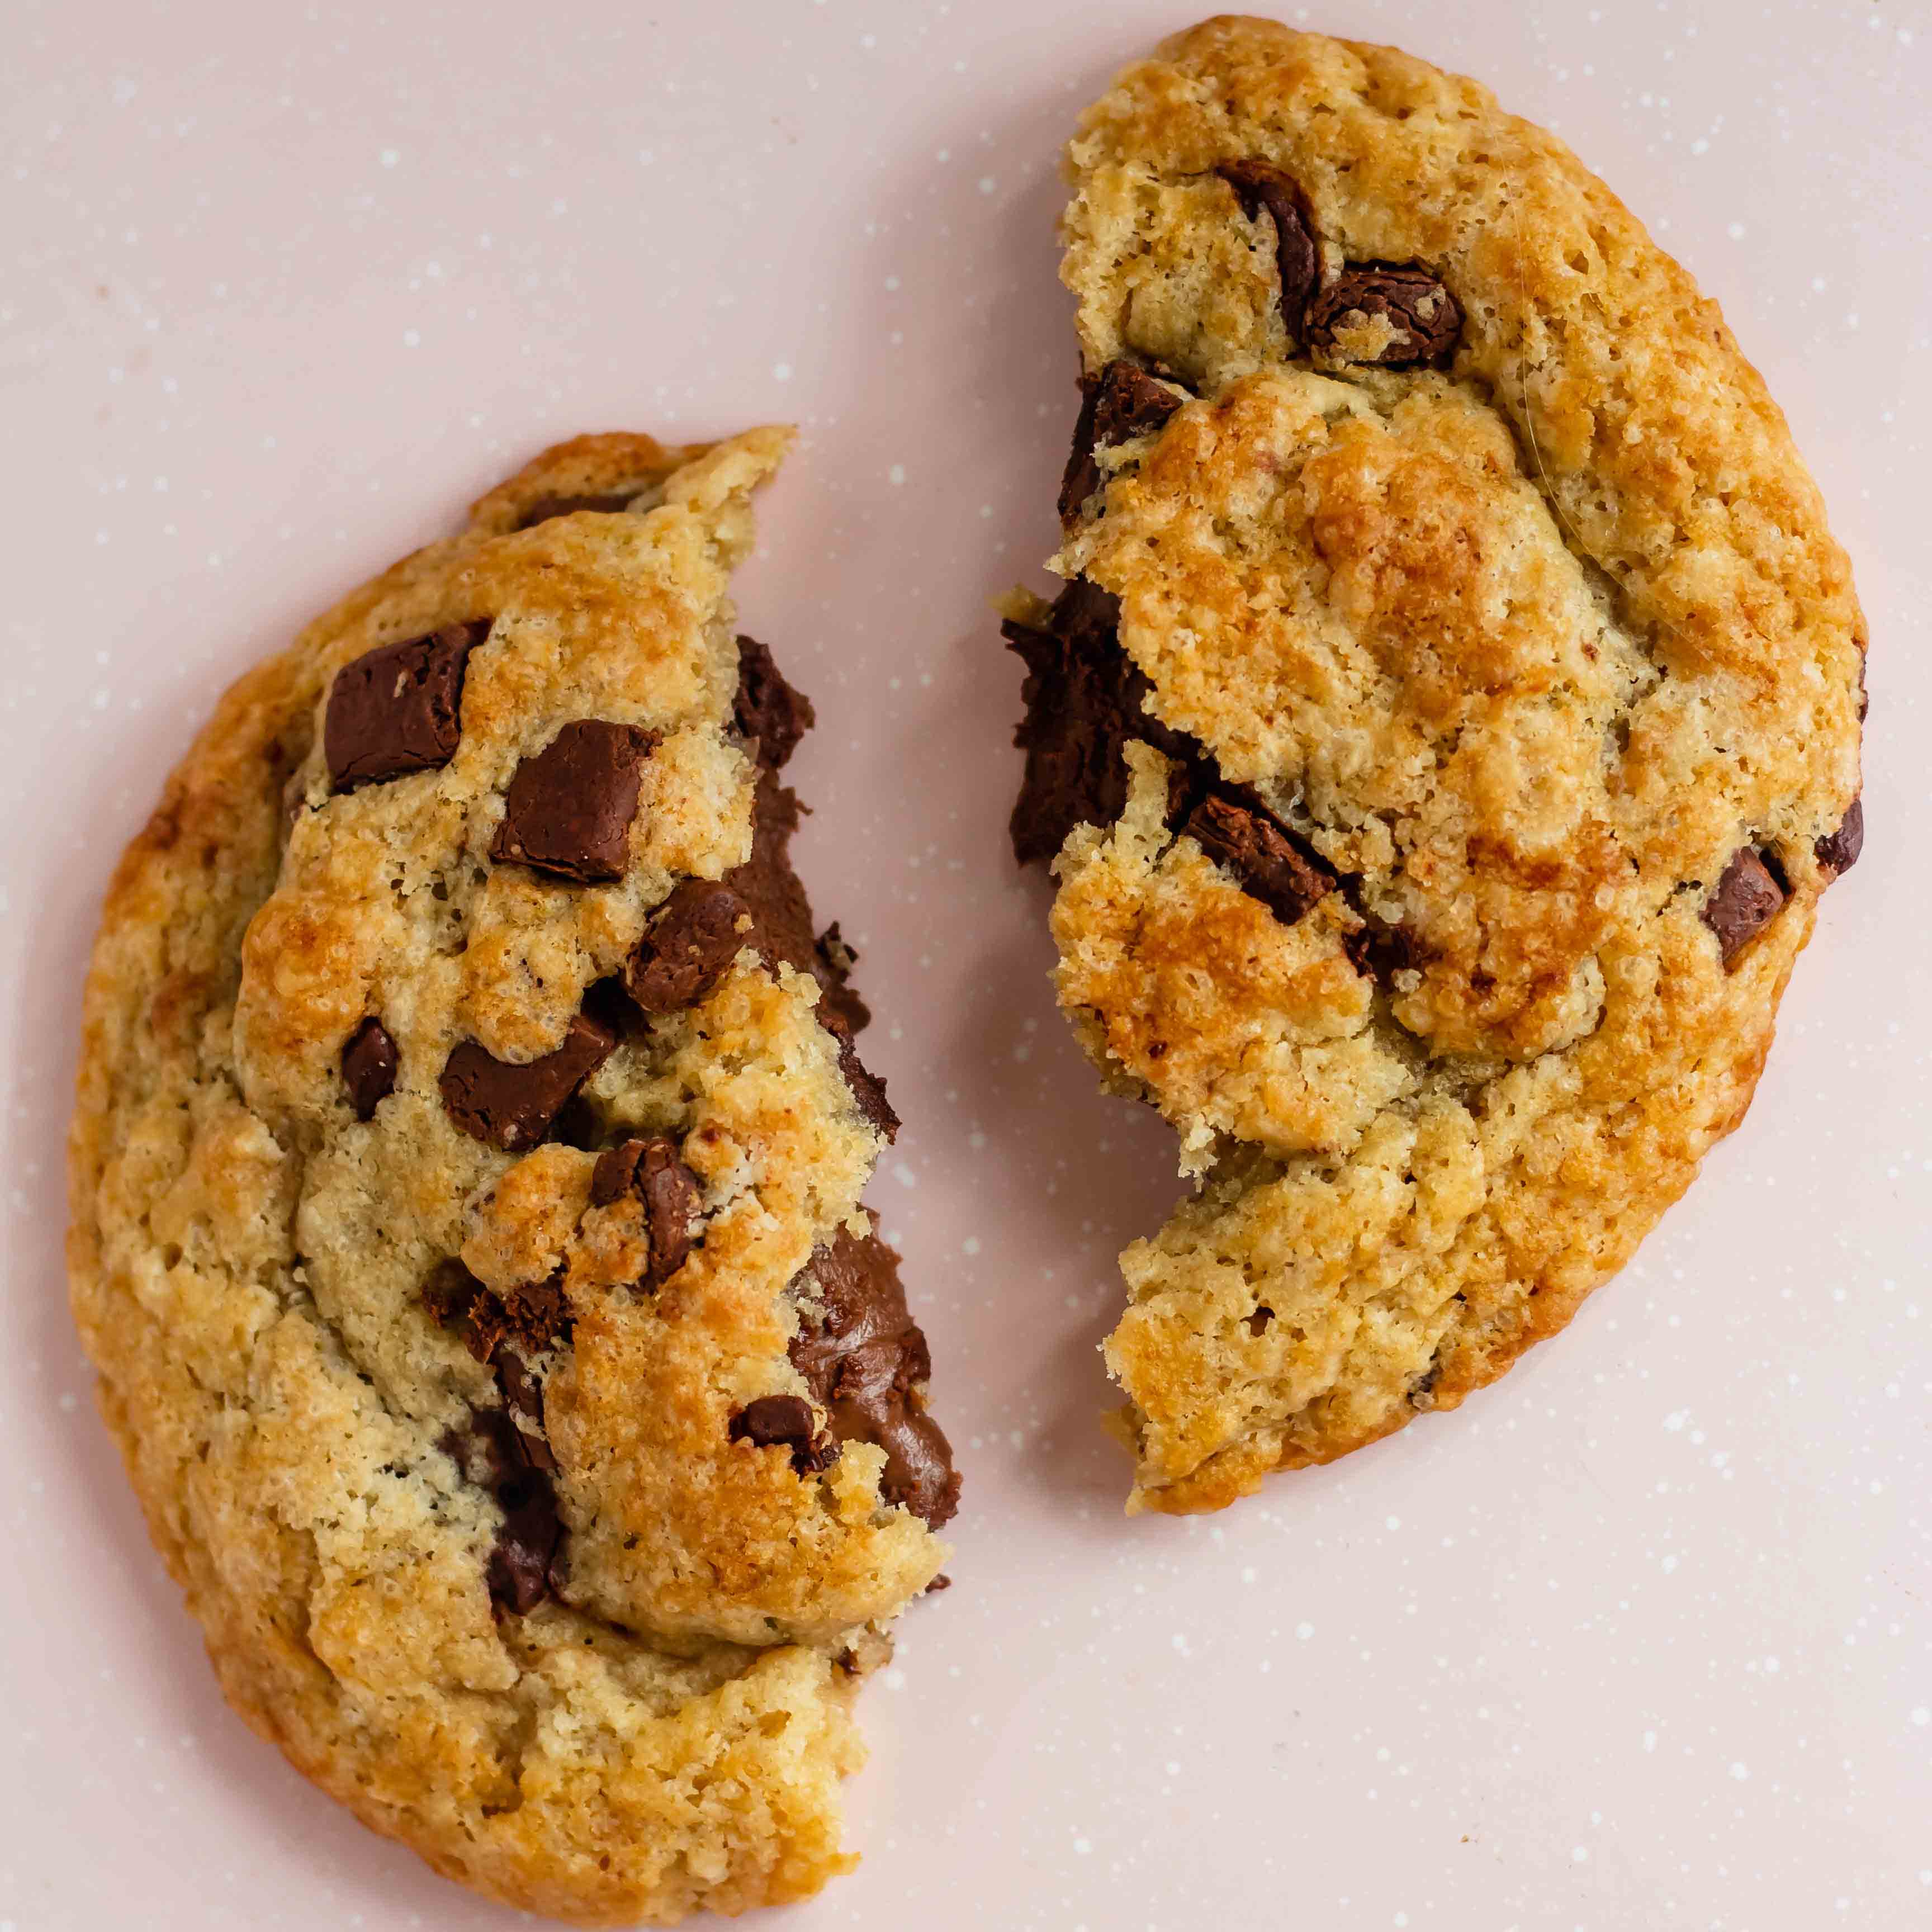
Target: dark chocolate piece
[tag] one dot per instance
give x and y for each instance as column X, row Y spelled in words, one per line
column 398, row 708
column 832, row 961
column 532, row 1317
column 651, row 1170
column 1297, row 258
column 867, row 1087
column 545, row 508
column 1245, row 837
column 569, row 809
column 1122, row 402
column 369, row 1064
column 767, row 709
column 1378, row 952
column 694, row 937
column 1838, row 851
column 1084, row 699
column 512, row 1106
column 535, row 1315
column 784, row 1421
column 866, row 1361
column 1746, row 899
column 525, row 1561
column 523, row 1401
column 1426, row 318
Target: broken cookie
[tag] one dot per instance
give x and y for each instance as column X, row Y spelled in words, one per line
column 466, row 1323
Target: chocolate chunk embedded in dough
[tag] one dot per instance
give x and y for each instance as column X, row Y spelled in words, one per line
column 535, row 1315
column 867, row 1088
column 865, row 1361
column 768, row 883
column 512, row 1106
column 524, row 1562
column 784, row 1421
column 1746, row 899
column 1297, row 258
column 653, row 1170
column 522, row 1399
column 1084, row 699
column 1378, row 951
column 398, row 710
column 369, row 1064
column 1392, row 316
column 1258, row 850
column 569, row 809
column 695, row 936
column 1838, row 851
column 767, row 708
column 1122, row 402
column 532, row 1317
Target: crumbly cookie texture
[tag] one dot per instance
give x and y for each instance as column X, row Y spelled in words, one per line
column 466, row 1222
column 1449, row 726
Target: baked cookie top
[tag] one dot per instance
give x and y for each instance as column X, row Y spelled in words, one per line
column 1447, row 730
column 465, row 1188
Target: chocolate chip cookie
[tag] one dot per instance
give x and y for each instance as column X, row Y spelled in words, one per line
column 465, row 1188
column 1447, row 729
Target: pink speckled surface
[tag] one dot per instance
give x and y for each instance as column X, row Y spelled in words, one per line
column 1640, row 1638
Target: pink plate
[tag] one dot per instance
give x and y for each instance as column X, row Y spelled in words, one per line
column 1639, row 1638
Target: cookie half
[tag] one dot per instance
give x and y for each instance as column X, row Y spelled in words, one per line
column 1449, row 725
column 466, row 1221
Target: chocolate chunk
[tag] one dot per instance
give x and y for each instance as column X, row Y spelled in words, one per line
column 615, row 1174
column 545, row 508
column 525, row 1560
column 651, row 1170
column 569, row 809
column 866, row 1086
column 767, row 882
column 1257, row 186
column 690, row 942
column 1426, row 319
column 699, row 931
column 866, row 1361
column 532, row 1317
column 1747, row 896
column 369, row 1064
column 535, row 1315
column 1378, row 951
column 781, row 910
column 1122, row 402
column 1247, row 838
column 767, row 709
column 400, row 709
column 512, row 1106
column 1838, row 851
column 832, row 961
column 1084, row 699
column 523, row 1401
column 784, row 1420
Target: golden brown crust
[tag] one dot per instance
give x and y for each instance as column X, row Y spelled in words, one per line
column 249, row 1259
column 1527, row 650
